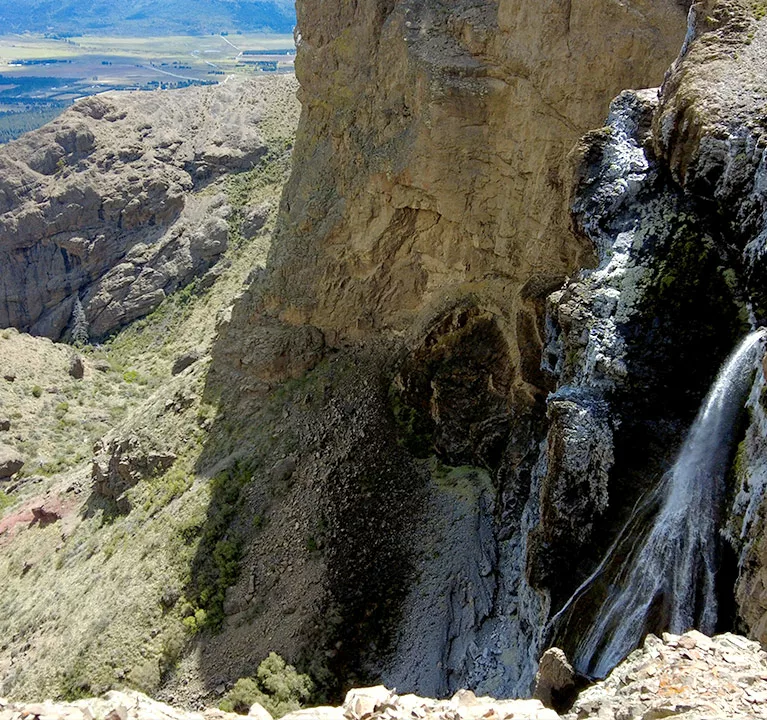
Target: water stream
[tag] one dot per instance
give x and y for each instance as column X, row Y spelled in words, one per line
column 669, row 580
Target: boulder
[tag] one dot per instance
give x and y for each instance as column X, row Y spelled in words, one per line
column 258, row 711
column 555, row 683
column 363, row 702
column 185, row 360
column 120, row 463
column 282, row 470
column 76, row 367
column 11, row 461
column 254, row 221
column 717, row 678
column 43, row 516
column 102, row 365
column 5, row 424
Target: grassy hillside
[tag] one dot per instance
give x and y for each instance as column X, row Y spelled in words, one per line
column 98, row 594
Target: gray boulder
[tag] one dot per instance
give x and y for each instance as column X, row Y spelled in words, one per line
column 187, row 359
column 76, row 367
column 11, row 461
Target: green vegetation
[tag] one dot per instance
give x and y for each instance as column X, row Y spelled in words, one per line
column 20, row 116
column 415, row 427
column 278, row 687
column 759, row 8
column 217, row 561
column 5, row 502
column 124, row 595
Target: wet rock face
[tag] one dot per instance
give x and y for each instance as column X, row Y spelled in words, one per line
column 674, row 192
column 634, row 343
column 574, row 492
column 101, row 204
column 452, row 395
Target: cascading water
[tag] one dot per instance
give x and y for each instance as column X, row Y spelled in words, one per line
column 669, row 579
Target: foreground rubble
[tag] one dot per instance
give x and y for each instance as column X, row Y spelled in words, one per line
column 376, row 703
column 690, row 676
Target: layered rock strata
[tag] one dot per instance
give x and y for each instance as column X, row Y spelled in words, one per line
column 101, row 214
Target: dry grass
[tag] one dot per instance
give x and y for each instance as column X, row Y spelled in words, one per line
column 96, row 600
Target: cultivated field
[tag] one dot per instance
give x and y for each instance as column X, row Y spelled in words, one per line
column 39, row 75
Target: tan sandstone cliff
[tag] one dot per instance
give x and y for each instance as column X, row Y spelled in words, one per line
column 430, row 160
column 425, row 222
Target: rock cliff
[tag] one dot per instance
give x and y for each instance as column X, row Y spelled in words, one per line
column 482, row 333
column 103, row 208
column 424, row 224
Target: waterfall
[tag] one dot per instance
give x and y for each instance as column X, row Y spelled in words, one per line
column 669, row 576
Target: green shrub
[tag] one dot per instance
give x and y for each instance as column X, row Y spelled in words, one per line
column 279, row 687
column 217, row 562
column 5, row 501
column 37, row 391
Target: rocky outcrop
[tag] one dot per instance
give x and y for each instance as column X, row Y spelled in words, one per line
column 375, row 703
column 11, row 461
column 115, row 705
column 690, row 676
column 555, row 681
column 100, row 210
column 426, row 219
column 121, row 462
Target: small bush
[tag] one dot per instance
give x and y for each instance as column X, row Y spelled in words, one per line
column 5, row 501
column 37, row 391
column 217, row 561
column 279, row 687
column 130, row 376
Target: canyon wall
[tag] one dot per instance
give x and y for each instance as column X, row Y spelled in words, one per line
column 104, row 205
column 424, row 225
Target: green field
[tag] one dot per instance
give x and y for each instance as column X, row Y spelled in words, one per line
column 39, row 75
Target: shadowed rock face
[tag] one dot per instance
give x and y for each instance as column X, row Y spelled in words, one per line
column 430, row 165
column 426, row 219
column 101, row 204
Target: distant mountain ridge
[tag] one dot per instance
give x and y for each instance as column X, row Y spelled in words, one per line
column 143, row 17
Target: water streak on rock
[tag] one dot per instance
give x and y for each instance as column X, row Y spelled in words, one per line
column 669, row 579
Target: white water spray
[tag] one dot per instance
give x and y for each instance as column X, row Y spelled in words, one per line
column 671, row 573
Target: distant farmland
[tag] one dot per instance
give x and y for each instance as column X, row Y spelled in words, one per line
column 40, row 76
